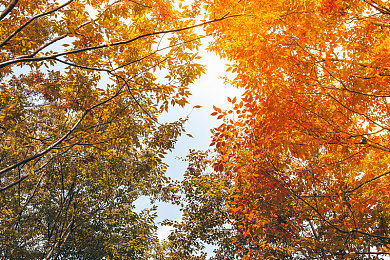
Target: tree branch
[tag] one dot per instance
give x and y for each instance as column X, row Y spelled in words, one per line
column 52, row 57
column 8, row 9
column 53, row 41
column 31, row 20
column 64, row 236
column 14, row 183
column 368, row 181
column 52, row 146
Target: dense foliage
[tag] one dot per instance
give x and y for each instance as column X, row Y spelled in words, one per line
column 301, row 163
column 308, row 144
column 82, row 84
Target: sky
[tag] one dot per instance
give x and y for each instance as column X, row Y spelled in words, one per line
column 207, row 91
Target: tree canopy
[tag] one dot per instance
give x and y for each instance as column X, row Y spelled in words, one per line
column 307, row 146
column 300, row 167
column 82, row 85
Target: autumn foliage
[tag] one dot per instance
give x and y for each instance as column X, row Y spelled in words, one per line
column 308, row 143
column 82, row 84
column 302, row 165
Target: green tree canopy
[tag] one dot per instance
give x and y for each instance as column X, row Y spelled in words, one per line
column 82, row 84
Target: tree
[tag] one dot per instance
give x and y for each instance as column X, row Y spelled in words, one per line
column 307, row 146
column 82, row 85
column 206, row 219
